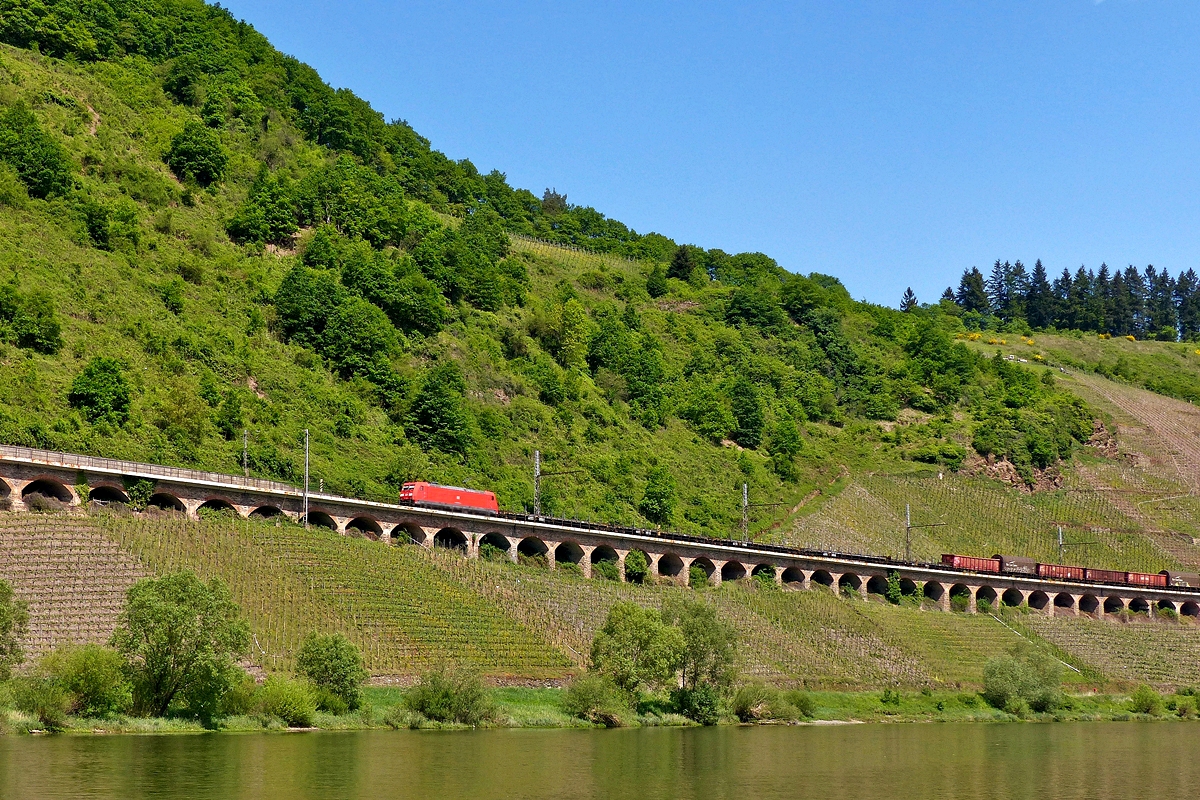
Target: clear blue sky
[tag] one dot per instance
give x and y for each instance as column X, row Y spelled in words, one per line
column 888, row 143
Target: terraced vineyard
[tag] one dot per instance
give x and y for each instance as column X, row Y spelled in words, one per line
column 410, row 608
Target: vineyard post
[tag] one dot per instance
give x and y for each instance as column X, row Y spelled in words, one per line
column 245, row 460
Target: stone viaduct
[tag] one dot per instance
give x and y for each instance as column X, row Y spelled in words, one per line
column 25, row 472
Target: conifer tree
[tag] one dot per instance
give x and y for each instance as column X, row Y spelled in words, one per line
column 1039, row 302
column 908, row 301
column 972, row 295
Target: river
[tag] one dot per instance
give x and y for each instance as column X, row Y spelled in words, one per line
column 961, row 761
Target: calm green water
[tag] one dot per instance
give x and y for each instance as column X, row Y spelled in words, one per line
column 1100, row 760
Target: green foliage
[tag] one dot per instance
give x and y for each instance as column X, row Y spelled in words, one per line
column 14, row 621
column 710, row 644
column 101, row 391
column 606, row 570
column 334, row 664
column 445, row 696
column 289, row 700
column 893, row 592
column 29, row 320
column 697, row 577
column 1025, row 679
column 747, row 413
column 656, row 283
column 196, row 155
column 439, row 416
column 636, row 649
column 266, row 216
column 637, row 566
column 92, row 676
column 1146, row 701
column 39, row 160
column 658, row 499
column 44, row 698
column 701, row 704
column 182, row 638
column 754, row 702
column 594, row 697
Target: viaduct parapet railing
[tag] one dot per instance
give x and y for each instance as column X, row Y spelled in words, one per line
column 28, row 473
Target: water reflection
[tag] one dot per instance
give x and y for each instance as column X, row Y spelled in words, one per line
column 905, row 761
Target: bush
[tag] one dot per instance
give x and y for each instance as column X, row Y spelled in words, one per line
column 803, row 702
column 446, row 696
column 489, row 552
column 606, row 570
column 101, row 392
column 1024, row 679
column 45, row 698
column 635, row 648
column 702, row 704
column 1146, row 701
column 37, row 157
column 238, row 699
column 289, row 700
column 569, row 568
column 596, row 698
column 756, row 701
column 697, row 577
column 14, row 621
column 181, row 638
column 333, row 664
column 93, row 676
column 637, row 566
column 196, row 155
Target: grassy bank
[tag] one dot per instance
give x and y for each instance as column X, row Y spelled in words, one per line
column 543, row 708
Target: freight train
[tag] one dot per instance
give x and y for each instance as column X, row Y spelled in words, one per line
column 1016, row 565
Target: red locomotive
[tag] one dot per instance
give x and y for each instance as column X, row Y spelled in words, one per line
column 431, row 494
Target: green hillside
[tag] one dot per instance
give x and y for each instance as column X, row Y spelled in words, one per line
column 200, row 237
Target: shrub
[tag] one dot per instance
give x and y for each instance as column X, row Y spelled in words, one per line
column 93, row 676
column 289, row 700
column 536, row 560
column 569, row 568
column 635, row 648
column 333, row 664
column 658, row 499
column 45, row 698
column 489, row 552
column 1023, row 679
column 439, row 416
column 803, row 702
column 606, row 570
column 14, row 621
column 596, row 698
column 239, row 697
column 697, row 577
column 1146, row 701
column 196, row 155
column 446, row 696
column 890, row 697
column 637, row 566
column 41, row 504
column 181, row 638
column 756, row 701
column 702, row 704
column 37, row 157
column 101, row 392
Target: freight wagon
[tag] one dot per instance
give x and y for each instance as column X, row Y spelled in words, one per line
column 1017, row 565
column 1146, row 579
column 1106, row 575
column 431, row 494
column 1185, row 579
column 1060, row 572
column 971, row 562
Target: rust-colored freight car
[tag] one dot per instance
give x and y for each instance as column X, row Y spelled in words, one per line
column 971, row 562
column 1060, row 572
column 1146, row 579
column 422, row 493
column 1105, row 575
column 1185, row 579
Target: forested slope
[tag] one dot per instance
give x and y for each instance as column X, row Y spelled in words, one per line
column 199, row 237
